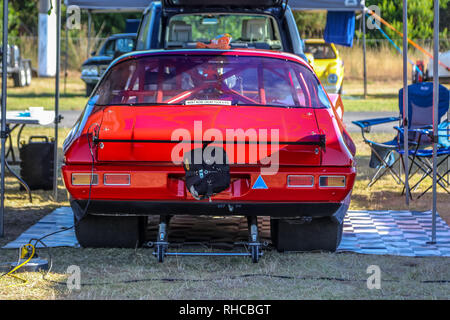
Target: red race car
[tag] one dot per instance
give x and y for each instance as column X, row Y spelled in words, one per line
column 210, row 132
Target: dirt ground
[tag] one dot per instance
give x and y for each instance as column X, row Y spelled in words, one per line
column 135, row 274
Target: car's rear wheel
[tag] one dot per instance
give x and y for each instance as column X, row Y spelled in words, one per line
column 322, row 234
column 97, row 231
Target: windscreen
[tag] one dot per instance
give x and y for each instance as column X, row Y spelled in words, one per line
column 320, row 50
column 253, row 31
column 210, row 80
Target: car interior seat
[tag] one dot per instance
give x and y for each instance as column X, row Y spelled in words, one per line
column 180, row 33
column 254, row 30
column 257, row 33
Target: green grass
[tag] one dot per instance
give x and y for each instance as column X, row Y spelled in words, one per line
column 41, row 93
column 373, row 103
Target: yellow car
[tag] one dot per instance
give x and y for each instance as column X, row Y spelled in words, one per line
column 326, row 63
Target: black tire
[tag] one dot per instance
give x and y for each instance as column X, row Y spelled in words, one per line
column 322, row 234
column 20, row 77
column 89, row 88
column 95, row 231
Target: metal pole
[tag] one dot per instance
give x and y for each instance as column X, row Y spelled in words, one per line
column 89, row 33
column 435, row 112
column 58, row 66
column 66, row 58
column 364, row 53
column 3, row 122
column 405, row 97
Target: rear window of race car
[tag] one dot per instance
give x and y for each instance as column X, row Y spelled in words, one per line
column 211, row 79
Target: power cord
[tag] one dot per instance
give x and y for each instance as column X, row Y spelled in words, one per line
column 90, row 187
column 23, row 253
column 33, row 247
column 255, row 275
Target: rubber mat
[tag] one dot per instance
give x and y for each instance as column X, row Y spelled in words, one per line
column 401, row 233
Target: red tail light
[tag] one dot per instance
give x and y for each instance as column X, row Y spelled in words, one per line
column 298, row 181
column 116, row 179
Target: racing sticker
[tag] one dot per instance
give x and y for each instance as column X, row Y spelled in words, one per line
column 216, row 102
column 260, row 183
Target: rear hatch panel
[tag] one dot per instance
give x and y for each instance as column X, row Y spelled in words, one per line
column 151, row 134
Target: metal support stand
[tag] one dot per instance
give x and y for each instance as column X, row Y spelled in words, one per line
column 254, row 244
column 162, row 243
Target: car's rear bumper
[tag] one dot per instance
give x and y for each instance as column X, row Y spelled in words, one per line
column 273, row 209
column 165, row 184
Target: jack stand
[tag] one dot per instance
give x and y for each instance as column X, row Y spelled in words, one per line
column 254, row 244
column 162, row 244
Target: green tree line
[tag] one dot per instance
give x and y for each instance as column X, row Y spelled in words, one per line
column 23, row 19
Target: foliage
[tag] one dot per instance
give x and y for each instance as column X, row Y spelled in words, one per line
column 420, row 18
column 310, row 24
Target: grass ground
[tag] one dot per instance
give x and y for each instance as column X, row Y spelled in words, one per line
column 41, row 93
column 110, row 273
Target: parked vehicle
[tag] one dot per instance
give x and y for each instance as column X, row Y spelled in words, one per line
column 93, row 68
column 328, row 64
column 18, row 68
column 427, row 71
column 263, row 24
column 124, row 159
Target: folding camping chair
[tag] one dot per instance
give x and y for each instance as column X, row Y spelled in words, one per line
column 382, row 154
column 422, row 157
column 420, row 115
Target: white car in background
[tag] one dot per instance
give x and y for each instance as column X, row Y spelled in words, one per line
column 443, row 69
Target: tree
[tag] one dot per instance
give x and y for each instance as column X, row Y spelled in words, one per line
column 420, row 18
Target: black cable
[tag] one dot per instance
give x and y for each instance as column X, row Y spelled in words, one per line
column 285, row 277
column 85, row 208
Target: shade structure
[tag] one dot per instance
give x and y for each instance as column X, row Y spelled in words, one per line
column 330, row 5
column 109, row 5
column 138, row 5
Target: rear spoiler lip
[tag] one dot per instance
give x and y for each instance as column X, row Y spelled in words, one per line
column 321, row 141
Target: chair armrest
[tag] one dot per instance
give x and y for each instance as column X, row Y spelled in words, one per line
column 367, row 123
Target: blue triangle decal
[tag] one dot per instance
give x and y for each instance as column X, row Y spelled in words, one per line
column 260, row 184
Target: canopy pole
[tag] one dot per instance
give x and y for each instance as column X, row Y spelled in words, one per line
column 364, row 53
column 405, row 99
column 58, row 67
column 435, row 112
column 3, row 111
column 66, row 58
column 89, row 32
